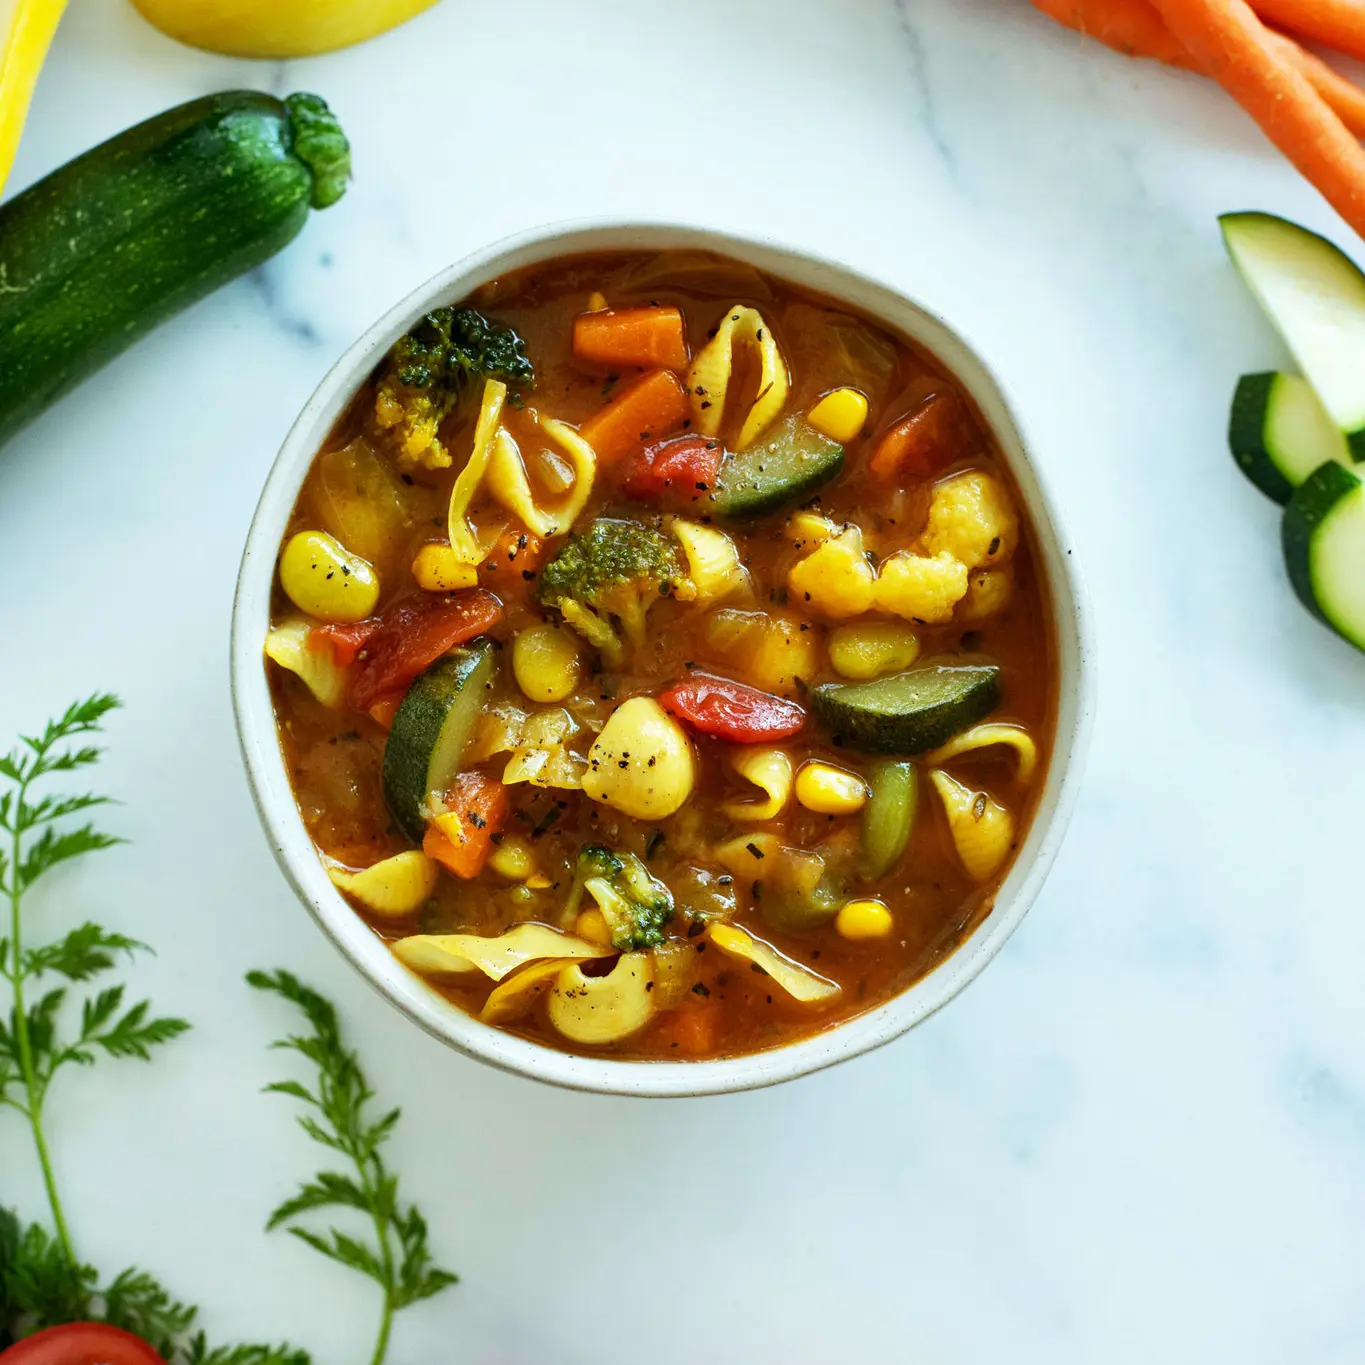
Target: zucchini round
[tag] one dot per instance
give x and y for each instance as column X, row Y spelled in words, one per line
column 1279, row 432
column 430, row 732
column 911, row 712
column 123, row 237
column 1323, row 534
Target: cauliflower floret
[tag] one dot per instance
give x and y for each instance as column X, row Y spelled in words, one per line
column 836, row 579
column 988, row 591
column 973, row 519
column 921, row 589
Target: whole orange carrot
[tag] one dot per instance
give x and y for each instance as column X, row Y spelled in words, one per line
column 1337, row 23
column 1132, row 27
column 1232, row 45
column 1345, row 98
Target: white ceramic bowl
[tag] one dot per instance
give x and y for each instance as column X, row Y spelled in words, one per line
column 270, row 783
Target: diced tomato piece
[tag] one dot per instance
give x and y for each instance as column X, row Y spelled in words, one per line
column 345, row 641
column 732, row 710
column 413, row 634
column 691, row 1031
column 683, row 469
column 514, row 553
column 937, row 432
column 462, row 838
column 82, row 1343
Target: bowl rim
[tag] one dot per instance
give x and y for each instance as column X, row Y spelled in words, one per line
column 273, row 796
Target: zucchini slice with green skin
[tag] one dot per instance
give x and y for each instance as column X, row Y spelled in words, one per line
column 789, row 466
column 125, row 236
column 430, row 732
column 1323, row 534
column 1315, row 295
column 1279, row 432
column 911, row 712
column 889, row 816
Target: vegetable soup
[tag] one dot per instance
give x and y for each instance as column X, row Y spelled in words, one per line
column 662, row 660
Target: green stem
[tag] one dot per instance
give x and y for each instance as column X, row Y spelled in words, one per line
column 32, row 1083
column 381, row 1227
column 381, row 1347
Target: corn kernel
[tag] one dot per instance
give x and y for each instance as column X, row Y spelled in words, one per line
column 437, row 568
column 545, row 662
column 322, row 577
column 592, row 925
column 863, row 919
column 512, row 859
column 828, row 790
column 839, row 415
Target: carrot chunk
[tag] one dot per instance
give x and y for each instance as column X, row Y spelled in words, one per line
column 515, row 553
column 647, row 409
column 933, row 435
column 691, row 1032
column 461, row 838
column 646, row 337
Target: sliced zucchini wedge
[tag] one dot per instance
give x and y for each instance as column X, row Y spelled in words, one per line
column 1315, row 295
column 1323, row 534
column 911, row 712
column 430, row 731
column 889, row 816
column 1279, row 432
column 790, row 465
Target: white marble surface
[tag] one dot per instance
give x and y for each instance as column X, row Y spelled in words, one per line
column 1140, row 1136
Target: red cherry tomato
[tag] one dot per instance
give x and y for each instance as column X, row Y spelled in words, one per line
column 732, row 710
column 680, row 470
column 414, row 633
column 81, row 1343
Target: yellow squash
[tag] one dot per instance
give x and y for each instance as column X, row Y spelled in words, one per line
column 276, row 28
column 26, row 29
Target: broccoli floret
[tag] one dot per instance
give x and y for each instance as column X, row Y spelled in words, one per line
column 429, row 370
column 604, row 581
column 635, row 904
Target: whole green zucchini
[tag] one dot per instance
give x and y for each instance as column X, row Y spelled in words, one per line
column 121, row 238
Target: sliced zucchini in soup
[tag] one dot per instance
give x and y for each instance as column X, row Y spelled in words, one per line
column 430, row 732
column 1315, row 295
column 911, row 712
column 1280, row 433
column 789, row 466
column 1324, row 549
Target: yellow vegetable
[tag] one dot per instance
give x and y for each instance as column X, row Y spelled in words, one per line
column 989, row 591
column 763, row 857
column 984, row 737
column 396, row 886
column 541, row 753
column 597, row 301
column 512, row 858
column 287, row 644
column 839, row 415
column 712, row 562
column 457, row 954
column 546, row 662
column 276, row 28
column 322, row 577
column 828, row 790
column 358, row 499
column 864, row 919
column 708, row 380
column 463, row 540
column 799, row 982
column 972, row 518
column 603, row 1009
column 810, row 528
column 982, row 829
column 642, row 763
column 511, row 999
column 26, row 29
column 770, row 770
column 920, row 589
column 509, row 485
column 836, row 579
column 592, row 925
column 872, row 648
column 437, row 568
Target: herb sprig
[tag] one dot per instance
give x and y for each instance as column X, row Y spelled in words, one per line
column 338, row 1117
column 35, row 1044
